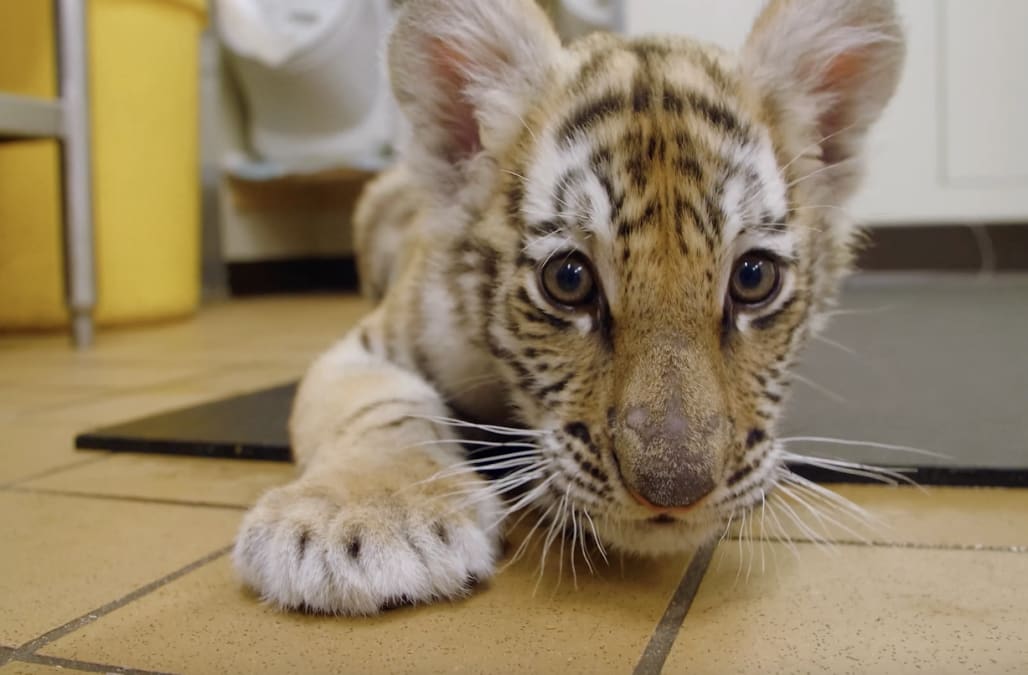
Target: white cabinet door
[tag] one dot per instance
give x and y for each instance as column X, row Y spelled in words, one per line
column 953, row 145
column 985, row 91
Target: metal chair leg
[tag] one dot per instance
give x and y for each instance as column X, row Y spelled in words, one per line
column 77, row 167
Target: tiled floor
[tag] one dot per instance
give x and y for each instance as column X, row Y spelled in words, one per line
column 114, row 563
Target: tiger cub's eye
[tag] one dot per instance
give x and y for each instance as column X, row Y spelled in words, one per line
column 567, row 279
column 755, row 279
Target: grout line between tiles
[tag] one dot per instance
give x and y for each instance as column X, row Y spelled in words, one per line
column 973, row 548
column 659, row 646
column 55, row 470
column 127, row 498
column 29, row 648
column 85, row 666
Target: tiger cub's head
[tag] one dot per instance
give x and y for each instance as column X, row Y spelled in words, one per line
column 646, row 232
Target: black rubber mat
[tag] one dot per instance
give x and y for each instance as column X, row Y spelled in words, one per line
column 254, row 426
column 249, row 426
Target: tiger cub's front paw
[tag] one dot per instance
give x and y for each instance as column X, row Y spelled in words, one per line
column 308, row 548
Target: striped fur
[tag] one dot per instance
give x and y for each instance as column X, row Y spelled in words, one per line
column 663, row 160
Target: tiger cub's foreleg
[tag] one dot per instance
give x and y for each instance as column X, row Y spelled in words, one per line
column 382, row 513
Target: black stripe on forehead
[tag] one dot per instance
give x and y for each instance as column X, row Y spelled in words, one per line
column 686, row 214
column 601, row 162
column 712, row 68
column 672, row 102
column 767, row 221
column 573, row 201
column 563, row 210
column 717, row 114
column 638, row 99
column 652, row 59
column 594, row 66
column 642, row 93
column 515, row 200
column 647, row 75
column 544, row 228
column 569, row 181
column 572, row 207
column 591, row 113
column 649, row 50
column 714, row 217
column 770, row 222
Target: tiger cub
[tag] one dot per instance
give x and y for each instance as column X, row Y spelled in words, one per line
column 607, row 255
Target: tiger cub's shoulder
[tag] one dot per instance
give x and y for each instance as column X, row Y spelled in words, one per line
column 383, row 228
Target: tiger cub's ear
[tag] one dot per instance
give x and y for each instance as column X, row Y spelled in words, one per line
column 827, row 67
column 463, row 71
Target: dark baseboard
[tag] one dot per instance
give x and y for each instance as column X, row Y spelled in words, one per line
column 295, row 275
column 902, row 248
column 946, row 248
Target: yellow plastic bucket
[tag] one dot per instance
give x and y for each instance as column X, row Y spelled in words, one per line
column 143, row 77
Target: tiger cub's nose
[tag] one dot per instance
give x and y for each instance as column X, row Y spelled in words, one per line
column 668, row 460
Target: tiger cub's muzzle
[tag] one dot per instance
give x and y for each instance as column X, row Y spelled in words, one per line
column 670, row 430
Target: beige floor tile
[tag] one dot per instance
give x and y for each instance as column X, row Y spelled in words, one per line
column 122, row 406
column 106, row 409
column 64, row 556
column 863, row 610
column 273, row 328
column 206, row 623
column 84, row 371
column 205, row 480
column 28, row 450
column 952, row 516
column 86, row 407
column 281, row 328
column 252, row 376
column 18, row 401
column 181, row 346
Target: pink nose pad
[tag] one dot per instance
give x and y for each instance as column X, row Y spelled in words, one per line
column 636, row 417
column 667, row 472
column 674, row 429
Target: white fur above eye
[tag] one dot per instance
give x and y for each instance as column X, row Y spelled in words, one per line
column 551, row 160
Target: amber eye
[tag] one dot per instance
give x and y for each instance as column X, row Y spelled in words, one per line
column 567, row 279
column 755, row 279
